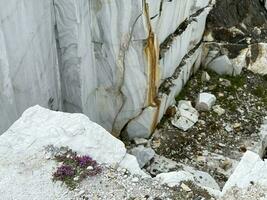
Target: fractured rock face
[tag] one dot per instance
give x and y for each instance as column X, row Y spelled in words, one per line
column 29, row 72
column 238, row 39
column 186, row 116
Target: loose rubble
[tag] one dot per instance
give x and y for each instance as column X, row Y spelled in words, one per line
column 218, row 109
column 221, row 136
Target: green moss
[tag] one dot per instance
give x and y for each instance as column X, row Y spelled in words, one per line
column 183, row 93
column 237, row 81
column 260, row 91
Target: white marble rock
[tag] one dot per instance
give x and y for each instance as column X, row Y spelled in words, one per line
column 186, row 116
column 251, row 170
column 205, row 101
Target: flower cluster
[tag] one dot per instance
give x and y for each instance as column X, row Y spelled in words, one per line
column 64, row 171
column 85, row 161
column 74, row 168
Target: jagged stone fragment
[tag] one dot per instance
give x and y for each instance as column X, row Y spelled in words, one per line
column 186, row 116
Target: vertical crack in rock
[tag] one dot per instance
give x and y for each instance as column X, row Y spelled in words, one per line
column 152, row 54
column 95, row 66
column 121, row 65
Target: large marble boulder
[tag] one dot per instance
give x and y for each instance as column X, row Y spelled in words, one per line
column 26, row 165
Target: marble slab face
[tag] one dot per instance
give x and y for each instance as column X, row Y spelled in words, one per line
column 29, row 72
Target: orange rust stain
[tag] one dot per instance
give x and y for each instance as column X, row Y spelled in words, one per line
column 152, row 54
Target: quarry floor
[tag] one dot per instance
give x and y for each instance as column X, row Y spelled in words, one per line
column 215, row 144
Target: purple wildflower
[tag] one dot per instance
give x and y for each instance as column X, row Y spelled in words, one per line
column 64, row 171
column 85, row 161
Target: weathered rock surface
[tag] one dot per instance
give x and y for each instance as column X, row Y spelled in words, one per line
column 29, row 72
column 39, row 127
column 106, row 59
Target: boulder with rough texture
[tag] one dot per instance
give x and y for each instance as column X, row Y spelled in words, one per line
column 186, row 116
column 39, row 127
column 205, row 101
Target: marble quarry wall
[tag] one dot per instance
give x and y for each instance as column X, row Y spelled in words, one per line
column 120, row 62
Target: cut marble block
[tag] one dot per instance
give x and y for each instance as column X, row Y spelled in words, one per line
column 28, row 58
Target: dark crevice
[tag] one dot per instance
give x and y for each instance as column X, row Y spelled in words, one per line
column 167, row 84
column 165, row 45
